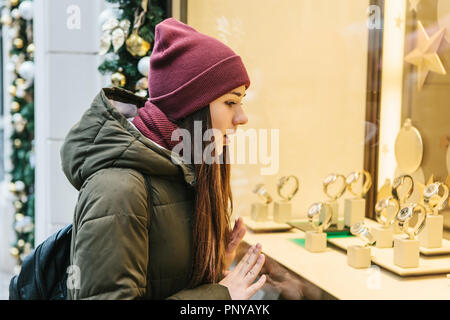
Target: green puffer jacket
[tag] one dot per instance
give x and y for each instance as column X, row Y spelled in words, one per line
column 117, row 255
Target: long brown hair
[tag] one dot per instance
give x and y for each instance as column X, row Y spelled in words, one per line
column 213, row 206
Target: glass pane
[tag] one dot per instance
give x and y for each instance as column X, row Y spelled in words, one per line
column 307, row 62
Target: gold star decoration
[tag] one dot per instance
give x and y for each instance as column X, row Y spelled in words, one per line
column 398, row 22
column 425, row 56
column 413, row 5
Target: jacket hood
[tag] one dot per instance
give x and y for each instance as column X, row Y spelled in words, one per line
column 103, row 138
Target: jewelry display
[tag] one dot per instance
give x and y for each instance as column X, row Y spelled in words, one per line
column 330, row 180
column 400, row 181
column 354, row 209
column 260, row 211
column 406, row 251
column 316, row 241
column 433, row 201
column 385, row 212
column 282, row 210
column 432, row 235
column 360, row 256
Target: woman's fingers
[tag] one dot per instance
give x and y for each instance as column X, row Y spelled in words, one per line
column 256, row 286
column 250, row 261
column 241, row 263
column 251, row 275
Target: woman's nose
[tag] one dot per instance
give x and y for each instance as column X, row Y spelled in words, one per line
column 240, row 117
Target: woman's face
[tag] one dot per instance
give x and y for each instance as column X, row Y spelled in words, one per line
column 227, row 114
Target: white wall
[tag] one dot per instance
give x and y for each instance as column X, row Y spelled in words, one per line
column 66, row 82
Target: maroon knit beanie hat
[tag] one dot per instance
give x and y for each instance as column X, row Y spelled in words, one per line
column 188, row 69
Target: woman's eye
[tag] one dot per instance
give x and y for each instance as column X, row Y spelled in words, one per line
column 230, row 103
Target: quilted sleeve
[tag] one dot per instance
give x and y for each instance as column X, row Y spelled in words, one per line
column 110, row 245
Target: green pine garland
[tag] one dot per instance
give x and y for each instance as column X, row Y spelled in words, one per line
column 22, row 137
column 125, row 62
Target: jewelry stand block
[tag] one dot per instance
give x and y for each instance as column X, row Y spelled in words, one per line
column 384, row 237
column 282, row 211
column 406, row 253
column 354, row 211
column 431, row 236
column 359, row 257
column 259, row 212
column 315, row 241
column 335, row 209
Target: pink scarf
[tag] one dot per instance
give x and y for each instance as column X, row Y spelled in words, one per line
column 153, row 124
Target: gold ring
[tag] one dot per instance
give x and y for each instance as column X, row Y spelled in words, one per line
column 399, row 181
column 354, row 177
column 432, row 199
column 405, row 215
column 282, row 182
column 381, row 210
column 314, row 211
column 329, row 180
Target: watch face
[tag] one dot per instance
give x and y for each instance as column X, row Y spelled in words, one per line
column 357, row 228
column 314, row 209
column 404, row 213
column 431, row 190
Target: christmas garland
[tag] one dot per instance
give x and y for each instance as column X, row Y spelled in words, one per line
column 128, row 35
column 18, row 17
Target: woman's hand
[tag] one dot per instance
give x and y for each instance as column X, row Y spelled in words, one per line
column 239, row 281
column 236, row 237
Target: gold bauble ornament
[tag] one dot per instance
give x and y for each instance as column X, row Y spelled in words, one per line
column 19, row 81
column 17, row 143
column 12, row 187
column 118, row 79
column 142, row 84
column 20, row 243
column 19, row 216
column 13, row 3
column 18, row 43
column 30, row 48
column 15, row 107
column 137, row 46
column 14, row 252
column 18, row 205
column 6, row 20
column 12, row 90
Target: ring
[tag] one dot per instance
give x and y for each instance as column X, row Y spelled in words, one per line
column 381, row 210
column 354, row 177
column 396, row 185
column 282, row 182
column 261, row 191
column 314, row 211
column 329, row 180
column 431, row 192
column 360, row 230
column 405, row 215
column 251, row 272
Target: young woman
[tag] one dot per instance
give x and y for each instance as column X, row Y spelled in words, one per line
column 177, row 243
